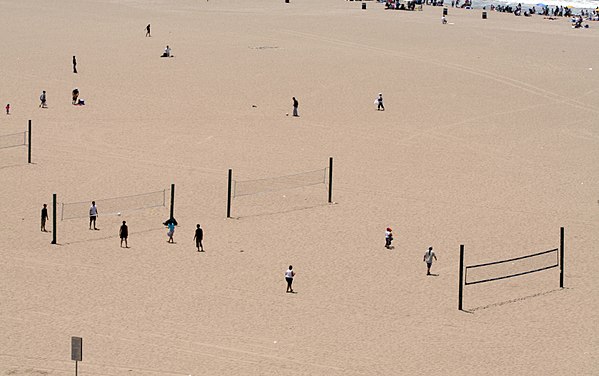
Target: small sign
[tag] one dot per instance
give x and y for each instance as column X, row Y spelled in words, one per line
column 76, row 349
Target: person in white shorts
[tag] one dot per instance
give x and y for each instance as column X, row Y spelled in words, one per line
column 289, row 274
column 428, row 258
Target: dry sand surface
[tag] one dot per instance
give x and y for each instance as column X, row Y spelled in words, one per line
column 489, row 139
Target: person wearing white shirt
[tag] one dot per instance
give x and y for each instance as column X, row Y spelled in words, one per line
column 428, row 258
column 289, row 274
column 388, row 238
column 93, row 214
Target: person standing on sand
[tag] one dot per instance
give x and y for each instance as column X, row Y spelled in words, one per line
column 93, row 214
column 289, row 274
column 428, row 258
column 379, row 100
column 74, row 64
column 148, row 31
column 171, row 231
column 43, row 100
column 8, row 109
column 295, row 106
column 123, row 234
column 198, row 237
column 44, row 217
column 388, row 237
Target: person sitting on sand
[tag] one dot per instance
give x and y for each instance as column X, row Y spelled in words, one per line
column 167, row 52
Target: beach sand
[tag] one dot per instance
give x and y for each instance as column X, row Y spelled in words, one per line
column 489, row 139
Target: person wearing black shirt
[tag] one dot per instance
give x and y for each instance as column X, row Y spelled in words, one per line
column 74, row 64
column 44, row 217
column 198, row 237
column 295, row 106
column 123, row 234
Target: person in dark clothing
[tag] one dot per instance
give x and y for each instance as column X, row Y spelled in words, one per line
column 295, row 106
column 75, row 94
column 74, row 64
column 198, row 237
column 44, row 217
column 148, row 31
column 123, row 234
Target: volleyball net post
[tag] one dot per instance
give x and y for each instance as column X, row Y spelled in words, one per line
column 29, row 142
column 461, row 279
column 172, row 213
column 561, row 257
column 230, row 181
column 330, row 180
column 54, row 218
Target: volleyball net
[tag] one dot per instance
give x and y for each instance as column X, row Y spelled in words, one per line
column 13, row 140
column 279, row 183
column 513, row 267
column 114, row 205
column 480, row 273
column 298, row 191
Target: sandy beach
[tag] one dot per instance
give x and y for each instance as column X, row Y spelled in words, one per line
column 489, row 139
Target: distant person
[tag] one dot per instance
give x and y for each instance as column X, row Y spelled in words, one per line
column 289, row 274
column 443, row 20
column 74, row 64
column 8, row 109
column 295, row 106
column 198, row 237
column 167, row 52
column 148, row 31
column 93, row 214
column 123, row 234
column 44, row 217
column 379, row 101
column 428, row 258
column 75, row 94
column 388, row 238
column 43, row 100
column 171, row 231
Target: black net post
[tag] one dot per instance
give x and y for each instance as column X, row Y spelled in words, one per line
column 461, row 287
column 172, row 201
column 230, row 180
column 54, row 218
column 29, row 142
column 330, row 180
column 561, row 257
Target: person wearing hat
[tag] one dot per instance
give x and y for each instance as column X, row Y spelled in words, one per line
column 388, row 238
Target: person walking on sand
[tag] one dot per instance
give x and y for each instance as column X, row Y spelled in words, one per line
column 289, row 274
column 295, row 106
column 7, row 109
column 43, row 100
column 379, row 101
column 74, row 64
column 75, row 95
column 171, row 231
column 148, row 31
column 93, row 214
column 388, row 237
column 123, row 234
column 44, row 217
column 428, row 258
column 198, row 237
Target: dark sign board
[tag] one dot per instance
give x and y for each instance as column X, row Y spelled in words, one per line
column 76, row 348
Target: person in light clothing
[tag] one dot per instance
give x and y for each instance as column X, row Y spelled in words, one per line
column 289, row 274
column 93, row 214
column 428, row 258
column 388, row 237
